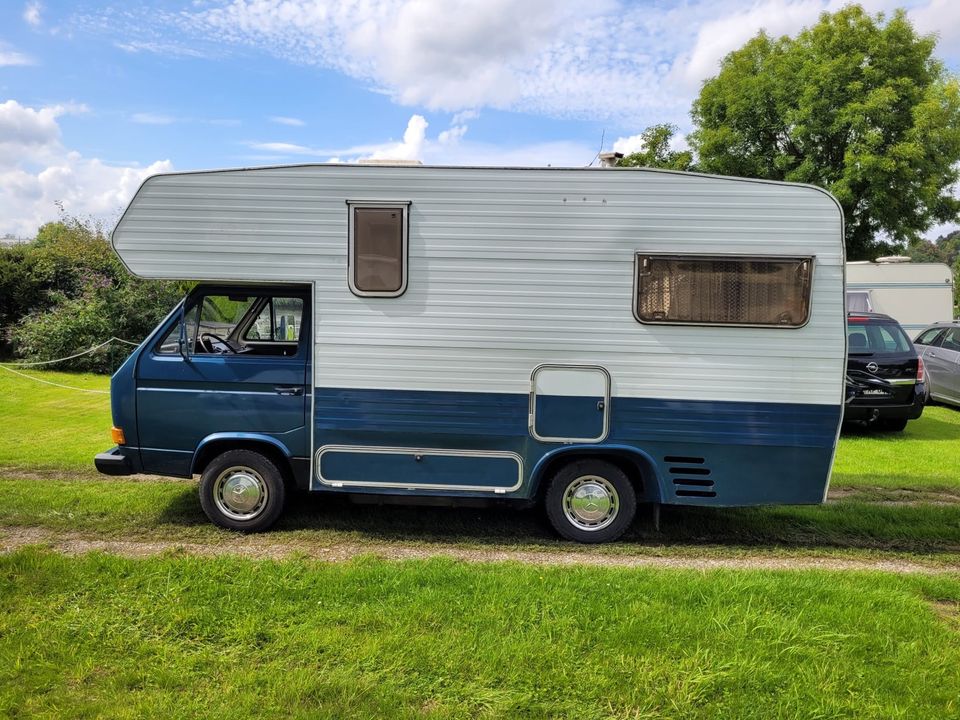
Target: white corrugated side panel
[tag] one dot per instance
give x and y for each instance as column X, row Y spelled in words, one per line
column 509, row 269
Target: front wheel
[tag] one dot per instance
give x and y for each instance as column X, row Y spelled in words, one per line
column 242, row 490
column 591, row 501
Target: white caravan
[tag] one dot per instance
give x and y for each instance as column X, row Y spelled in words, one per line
column 914, row 294
column 585, row 338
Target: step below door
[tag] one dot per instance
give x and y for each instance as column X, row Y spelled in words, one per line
column 570, row 403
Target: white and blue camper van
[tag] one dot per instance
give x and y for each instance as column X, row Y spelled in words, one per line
column 589, row 339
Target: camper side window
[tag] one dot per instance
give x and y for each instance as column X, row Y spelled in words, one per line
column 709, row 290
column 378, row 249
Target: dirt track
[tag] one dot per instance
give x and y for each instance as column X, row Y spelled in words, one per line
column 263, row 547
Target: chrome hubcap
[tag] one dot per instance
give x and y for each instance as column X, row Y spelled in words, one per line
column 591, row 502
column 240, row 493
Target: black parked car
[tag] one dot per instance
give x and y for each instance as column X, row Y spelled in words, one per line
column 884, row 373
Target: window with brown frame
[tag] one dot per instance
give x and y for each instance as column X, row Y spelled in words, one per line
column 378, row 250
column 719, row 290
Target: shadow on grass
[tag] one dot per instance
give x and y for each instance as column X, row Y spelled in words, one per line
column 920, row 528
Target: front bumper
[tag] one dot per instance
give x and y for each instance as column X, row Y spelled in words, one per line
column 113, row 462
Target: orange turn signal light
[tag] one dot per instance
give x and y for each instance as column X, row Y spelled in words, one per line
column 117, row 435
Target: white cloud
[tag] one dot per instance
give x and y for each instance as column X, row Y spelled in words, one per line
column 631, row 63
column 146, row 118
column 556, row 57
column 634, row 143
column 943, row 18
column 37, row 171
column 411, row 148
column 289, row 121
column 170, row 49
column 31, row 14
column 629, row 145
column 447, row 148
column 10, row 57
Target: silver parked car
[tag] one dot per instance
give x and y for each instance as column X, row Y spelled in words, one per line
column 939, row 346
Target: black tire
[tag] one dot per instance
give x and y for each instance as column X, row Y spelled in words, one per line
column 893, row 424
column 258, row 491
column 601, row 477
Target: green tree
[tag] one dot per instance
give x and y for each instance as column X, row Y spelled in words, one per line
column 656, row 152
column 66, row 291
column 856, row 104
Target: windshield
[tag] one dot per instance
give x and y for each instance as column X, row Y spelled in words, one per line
column 876, row 337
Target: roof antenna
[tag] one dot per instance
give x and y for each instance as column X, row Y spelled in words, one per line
column 602, row 135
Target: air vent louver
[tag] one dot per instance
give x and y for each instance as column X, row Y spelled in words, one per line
column 690, row 477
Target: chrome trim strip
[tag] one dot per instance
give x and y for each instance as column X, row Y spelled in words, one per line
column 860, row 286
column 532, row 415
column 383, row 450
column 899, row 381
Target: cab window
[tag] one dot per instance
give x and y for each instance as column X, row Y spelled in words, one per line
column 239, row 325
column 279, row 320
column 170, row 345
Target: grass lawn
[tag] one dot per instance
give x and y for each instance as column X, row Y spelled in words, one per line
column 924, row 456
column 49, row 428
column 182, row 637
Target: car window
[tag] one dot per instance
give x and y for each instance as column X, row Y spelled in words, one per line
column 876, row 338
column 171, row 343
column 929, row 337
column 951, row 341
column 279, row 320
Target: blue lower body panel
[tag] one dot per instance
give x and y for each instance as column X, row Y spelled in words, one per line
column 689, row 452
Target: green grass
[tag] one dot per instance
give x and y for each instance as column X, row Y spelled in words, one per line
column 924, row 456
column 179, row 636
column 48, row 428
column 182, row 637
column 170, row 510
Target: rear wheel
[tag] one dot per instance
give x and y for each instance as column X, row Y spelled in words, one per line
column 242, row 490
column 591, row 501
column 893, row 424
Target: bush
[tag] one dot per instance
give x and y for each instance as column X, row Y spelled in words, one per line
column 67, row 291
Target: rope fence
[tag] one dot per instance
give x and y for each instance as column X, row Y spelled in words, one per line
column 9, row 367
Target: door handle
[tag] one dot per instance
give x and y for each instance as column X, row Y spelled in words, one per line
column 932, row 354
column 289, row 389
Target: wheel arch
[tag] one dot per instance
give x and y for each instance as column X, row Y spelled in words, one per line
column 218, row 443
column 637, row 464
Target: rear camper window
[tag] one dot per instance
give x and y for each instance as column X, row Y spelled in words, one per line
column 706, row 290
column 378, row 250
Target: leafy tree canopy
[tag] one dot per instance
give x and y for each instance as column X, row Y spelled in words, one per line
column 66, row 291
column 656, row 152
column 856, row 104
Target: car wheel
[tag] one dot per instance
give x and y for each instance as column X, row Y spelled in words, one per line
column 590, row 501
column 242, row 490
column 893, row 424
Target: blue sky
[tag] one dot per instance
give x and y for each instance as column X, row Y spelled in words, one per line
column 94, row 96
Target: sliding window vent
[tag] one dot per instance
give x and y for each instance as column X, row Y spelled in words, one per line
column 690, row 477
